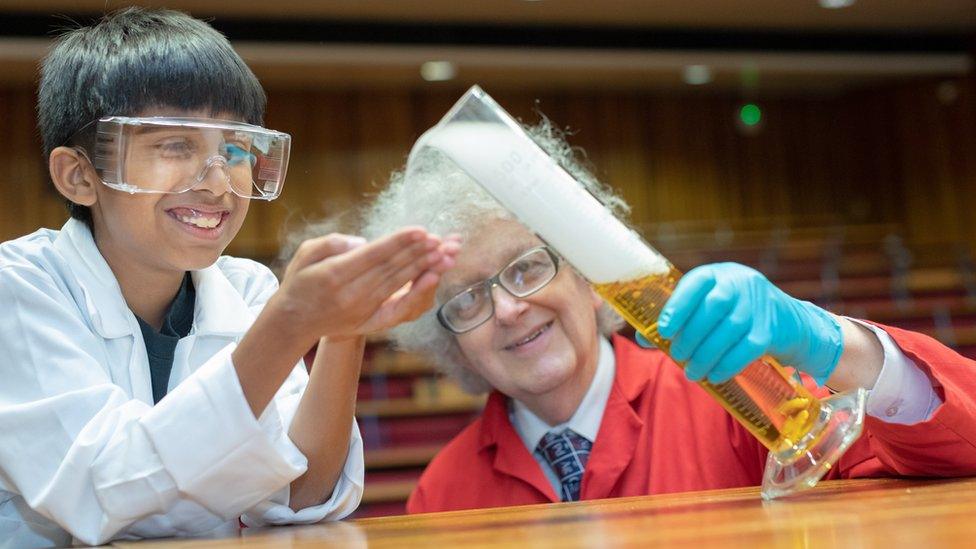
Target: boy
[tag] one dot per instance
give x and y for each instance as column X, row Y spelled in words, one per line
column 151, row 124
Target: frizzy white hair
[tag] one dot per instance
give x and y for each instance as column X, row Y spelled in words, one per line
column 444, row 200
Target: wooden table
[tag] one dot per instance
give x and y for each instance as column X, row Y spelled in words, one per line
column 882, row 513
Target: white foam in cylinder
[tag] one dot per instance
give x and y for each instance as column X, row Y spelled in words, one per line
column 543, row 196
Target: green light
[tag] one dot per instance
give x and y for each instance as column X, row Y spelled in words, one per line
column 750, row 114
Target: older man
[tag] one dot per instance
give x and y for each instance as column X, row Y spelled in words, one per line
column 576, row 412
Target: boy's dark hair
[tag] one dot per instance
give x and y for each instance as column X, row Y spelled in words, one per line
column 136, row 59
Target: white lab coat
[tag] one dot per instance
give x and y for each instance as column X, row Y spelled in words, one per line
column 84, row 454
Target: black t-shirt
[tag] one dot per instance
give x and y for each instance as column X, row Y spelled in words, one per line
column 161, row 345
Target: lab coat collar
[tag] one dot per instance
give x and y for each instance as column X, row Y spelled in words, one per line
column 219, row 309
column 110, row 315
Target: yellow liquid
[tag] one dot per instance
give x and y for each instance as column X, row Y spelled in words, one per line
column 763, row 397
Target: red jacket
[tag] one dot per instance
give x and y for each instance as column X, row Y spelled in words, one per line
column 662, row 434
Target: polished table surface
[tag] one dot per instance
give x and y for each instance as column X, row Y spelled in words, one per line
column 851, row 513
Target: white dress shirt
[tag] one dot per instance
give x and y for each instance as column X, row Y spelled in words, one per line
column 84, row 454
column 902, row 394
column 584, row 421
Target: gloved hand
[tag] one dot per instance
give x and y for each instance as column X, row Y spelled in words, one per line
column 722, row 317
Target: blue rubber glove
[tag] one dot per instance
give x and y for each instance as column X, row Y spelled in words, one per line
column 722, row 317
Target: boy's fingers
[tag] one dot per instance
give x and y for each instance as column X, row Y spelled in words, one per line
column 371, row 288
column 445, row 264
column 403, row 266
column 418, row 298
column 450, row 247
column 380, row 251
column 412, row 257
column 316, row 249
column 389, row 280
column 422, row 270
column 357, row 277
column 425, row 286
column 449, row 251
column 371, row 273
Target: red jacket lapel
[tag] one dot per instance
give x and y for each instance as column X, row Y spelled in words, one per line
column 510, row 455
column 620, row 428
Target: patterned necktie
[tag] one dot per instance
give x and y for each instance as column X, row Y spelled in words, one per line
column 566, row 452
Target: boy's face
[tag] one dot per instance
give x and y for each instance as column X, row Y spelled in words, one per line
column 168, row 232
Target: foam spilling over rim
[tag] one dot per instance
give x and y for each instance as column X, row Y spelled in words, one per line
column 544, row 197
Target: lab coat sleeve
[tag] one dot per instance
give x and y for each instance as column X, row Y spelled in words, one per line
column 276, row 420
column 344, row 499
column 103, row 465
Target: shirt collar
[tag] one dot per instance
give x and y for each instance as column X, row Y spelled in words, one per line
column 587, row 417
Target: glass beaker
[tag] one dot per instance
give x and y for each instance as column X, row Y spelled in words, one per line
column 805, row 435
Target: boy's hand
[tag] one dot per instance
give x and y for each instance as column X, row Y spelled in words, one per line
column 341, row 286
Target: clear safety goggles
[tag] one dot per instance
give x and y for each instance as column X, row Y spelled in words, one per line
column 174, row 155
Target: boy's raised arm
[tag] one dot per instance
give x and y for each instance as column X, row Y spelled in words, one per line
column 336, row 290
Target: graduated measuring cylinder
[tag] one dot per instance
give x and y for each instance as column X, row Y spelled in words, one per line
column 805, row 435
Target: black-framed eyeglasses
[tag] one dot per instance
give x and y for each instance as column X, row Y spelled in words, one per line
column 522, row 277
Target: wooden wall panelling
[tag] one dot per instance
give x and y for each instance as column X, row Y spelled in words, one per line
column 294, row 112
column 704, row 138
column 331, row 157
column 10, row 220
column 874, row 177
column 386, row 130
column 931, row 207
column 939, row 156
column 429, row 108
column 748, row 168
column 885, row 155
column 325, row 173
column 727, row 158
column 653, row 125
column 624, row 157
column 582, row 125
column 958, row 120
column 767, row 171
column 585, row 126
column 21, row 158
column 963, row 142
column 809, row 178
